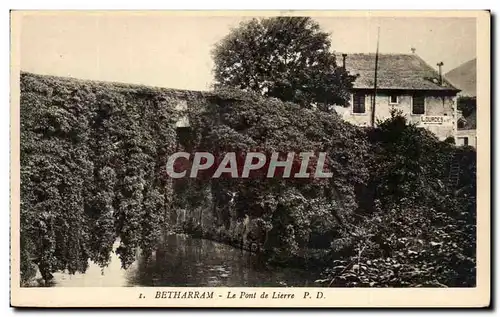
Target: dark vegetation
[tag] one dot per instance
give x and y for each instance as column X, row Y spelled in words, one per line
column 93, row 159
column 467, row 105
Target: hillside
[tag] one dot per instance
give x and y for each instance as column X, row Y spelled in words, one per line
column 464, row 78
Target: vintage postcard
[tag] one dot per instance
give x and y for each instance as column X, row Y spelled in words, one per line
column 250, row 159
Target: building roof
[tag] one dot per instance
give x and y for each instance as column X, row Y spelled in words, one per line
column 464, row 78
column 395, row 71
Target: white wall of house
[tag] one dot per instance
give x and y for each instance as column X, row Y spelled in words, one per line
column 439, row 114
column 467, row 137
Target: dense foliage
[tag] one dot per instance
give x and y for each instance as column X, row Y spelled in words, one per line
column 284, row 57
column 389, row 216
column 281, row 217
column 93, row 159
column 56, row 171
column 421, row 230
column 467, row 105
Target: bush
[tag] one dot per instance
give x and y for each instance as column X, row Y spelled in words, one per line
column 421, row 230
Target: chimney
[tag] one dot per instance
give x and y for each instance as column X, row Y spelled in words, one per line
column 440, row 64
column 413, row 50
column 343, row 60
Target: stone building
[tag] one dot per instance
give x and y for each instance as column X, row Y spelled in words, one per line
column 464, row 78
column 404, row 82
column 466, row 130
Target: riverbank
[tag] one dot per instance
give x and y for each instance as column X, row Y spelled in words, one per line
column 305, row 258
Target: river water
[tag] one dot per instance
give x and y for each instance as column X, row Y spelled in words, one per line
column 185, row 261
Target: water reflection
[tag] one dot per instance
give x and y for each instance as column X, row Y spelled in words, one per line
column 184, row 261
column 111, row 276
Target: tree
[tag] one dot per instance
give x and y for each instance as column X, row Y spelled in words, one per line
column 467, row 105
column 283, row 57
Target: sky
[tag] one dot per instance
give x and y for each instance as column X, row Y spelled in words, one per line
column 174, row 51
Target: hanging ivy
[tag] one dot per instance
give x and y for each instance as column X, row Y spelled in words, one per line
column 92, row 156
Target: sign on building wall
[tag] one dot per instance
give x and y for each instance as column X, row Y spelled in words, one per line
column 428, row 120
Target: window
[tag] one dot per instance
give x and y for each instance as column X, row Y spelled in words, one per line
column 393, row 99
column 418, row 104
column 463, row 141
column 358, row 103
column 461, row 124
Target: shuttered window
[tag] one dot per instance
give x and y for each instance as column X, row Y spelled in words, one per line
column 418, row 105
column 358, row 103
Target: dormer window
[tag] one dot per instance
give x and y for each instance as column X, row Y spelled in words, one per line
column 393, row 99
column 461, row 123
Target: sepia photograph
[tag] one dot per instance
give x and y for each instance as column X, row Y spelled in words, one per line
column 249, row 158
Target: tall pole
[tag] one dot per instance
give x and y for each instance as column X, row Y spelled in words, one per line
column 375, row 81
